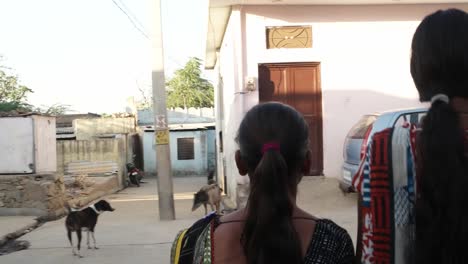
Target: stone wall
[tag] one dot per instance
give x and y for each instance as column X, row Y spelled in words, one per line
column 31, row 194
column 115, row 150
column 88, row 129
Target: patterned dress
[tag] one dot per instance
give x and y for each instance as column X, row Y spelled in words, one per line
column 330, row 244
column 387, row 183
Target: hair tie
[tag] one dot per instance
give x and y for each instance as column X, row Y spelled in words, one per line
column 440, row 97
column 270, row 146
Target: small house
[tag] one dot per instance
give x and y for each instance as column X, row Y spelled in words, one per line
column 191, row 138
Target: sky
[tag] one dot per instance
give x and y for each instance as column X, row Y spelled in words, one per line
column 87, row 54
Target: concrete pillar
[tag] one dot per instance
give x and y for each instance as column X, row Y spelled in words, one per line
column 163, row 157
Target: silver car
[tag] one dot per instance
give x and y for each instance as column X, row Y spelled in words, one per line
column 356, row 140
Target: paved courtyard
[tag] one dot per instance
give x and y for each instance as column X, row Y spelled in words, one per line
column 134, row 234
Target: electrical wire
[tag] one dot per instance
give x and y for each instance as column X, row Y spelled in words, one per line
column 135, row 18
column 131, row 20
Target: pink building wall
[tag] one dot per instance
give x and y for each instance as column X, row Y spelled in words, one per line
column 364, row 53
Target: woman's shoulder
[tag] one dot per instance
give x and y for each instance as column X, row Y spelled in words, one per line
column 328, row 228
column 330, row 244
column 237, row 215
column 229, row 225
column 184, row 246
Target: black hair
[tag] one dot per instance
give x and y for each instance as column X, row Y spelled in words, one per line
column 269, row 235
column 439, row 65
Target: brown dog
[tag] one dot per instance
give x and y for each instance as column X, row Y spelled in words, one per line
column 209, row 194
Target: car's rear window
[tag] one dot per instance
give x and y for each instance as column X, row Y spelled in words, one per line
column 359, row 130
column 412, row 118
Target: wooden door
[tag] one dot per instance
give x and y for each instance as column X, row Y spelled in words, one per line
column 298, row 85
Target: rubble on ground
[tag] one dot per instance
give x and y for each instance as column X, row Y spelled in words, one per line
column 76, row 186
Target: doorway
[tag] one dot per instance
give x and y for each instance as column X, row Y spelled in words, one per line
column 298, row 85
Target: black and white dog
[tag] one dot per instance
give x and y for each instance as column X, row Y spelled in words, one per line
column 86, row 220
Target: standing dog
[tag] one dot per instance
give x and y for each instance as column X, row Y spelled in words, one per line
column 209, row 194
column 85, row 219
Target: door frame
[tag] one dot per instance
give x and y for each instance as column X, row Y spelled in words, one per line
column 318, row 81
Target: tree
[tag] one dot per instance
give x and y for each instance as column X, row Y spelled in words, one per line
column 146, row 100
column 54, row 110
column 187, row 89
column 13, row 96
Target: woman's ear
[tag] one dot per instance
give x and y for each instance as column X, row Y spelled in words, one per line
column 307, row 163
column 241, row 166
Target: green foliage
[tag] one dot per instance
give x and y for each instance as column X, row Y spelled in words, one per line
column 11, row 92
column 187, row 89
column 55, row 109
column 13, row 97
column 15, row 106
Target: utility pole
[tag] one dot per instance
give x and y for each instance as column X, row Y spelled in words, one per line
column 161, row 130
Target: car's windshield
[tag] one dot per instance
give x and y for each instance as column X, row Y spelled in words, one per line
column 358, row 131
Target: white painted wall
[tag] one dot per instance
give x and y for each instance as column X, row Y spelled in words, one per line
column 230, row 68
column 27, row 145
column 363, row 51
column 45, row 144
column 149, row 152
column 197, row 166
column 16, row 145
